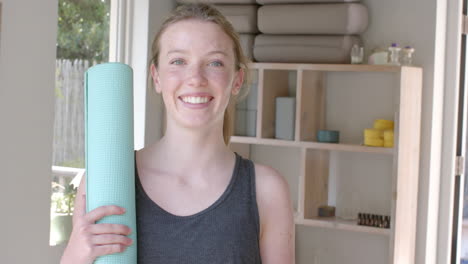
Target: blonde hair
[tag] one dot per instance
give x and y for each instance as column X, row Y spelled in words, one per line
column 208, row 13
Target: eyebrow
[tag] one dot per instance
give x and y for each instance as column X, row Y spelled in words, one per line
column 209, row 53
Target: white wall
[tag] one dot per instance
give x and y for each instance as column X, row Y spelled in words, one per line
column 27, row 69
column 421, row 24
column 158, row 11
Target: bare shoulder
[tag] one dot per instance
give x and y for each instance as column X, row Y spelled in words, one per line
column 273, row 196
column 270, row 184
column 276, row 216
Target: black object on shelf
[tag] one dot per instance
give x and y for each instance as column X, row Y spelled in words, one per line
column 374, row 220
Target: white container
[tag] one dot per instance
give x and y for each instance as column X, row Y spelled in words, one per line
column 285, row 117
column 378, row 58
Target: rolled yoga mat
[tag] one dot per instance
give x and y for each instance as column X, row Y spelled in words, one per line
column 224, row 2
column 242, row 17
column 110, row 169
column 274, row 2
column 313, row 19
column 304, row 48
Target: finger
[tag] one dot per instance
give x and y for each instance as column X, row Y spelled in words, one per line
column 103, row 211
column 107, row 239
column 110, row 229
column 108, row 249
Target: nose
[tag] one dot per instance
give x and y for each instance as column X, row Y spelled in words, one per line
column 197, row 75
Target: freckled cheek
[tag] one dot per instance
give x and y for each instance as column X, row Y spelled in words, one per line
column 170, row 81
column 172, row 73
column 222, row 79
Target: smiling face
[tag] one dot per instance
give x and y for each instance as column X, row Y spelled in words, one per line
column 196, row 73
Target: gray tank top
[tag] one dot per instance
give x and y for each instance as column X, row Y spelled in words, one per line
column 227, row 232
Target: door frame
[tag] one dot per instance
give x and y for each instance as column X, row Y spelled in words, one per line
column 450, row 129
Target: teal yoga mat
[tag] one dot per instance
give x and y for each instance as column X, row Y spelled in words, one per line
column 110, row 166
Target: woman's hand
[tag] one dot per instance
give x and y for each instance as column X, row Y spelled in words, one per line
column 89, row 240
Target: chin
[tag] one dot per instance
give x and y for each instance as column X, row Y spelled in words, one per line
column 200, row 124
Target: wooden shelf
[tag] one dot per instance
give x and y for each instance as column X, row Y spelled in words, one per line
column 310, row 164
column 311, row 145
column 340, row 224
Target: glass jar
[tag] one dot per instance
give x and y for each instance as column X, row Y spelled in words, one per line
column 407, row 56
column 394, row 54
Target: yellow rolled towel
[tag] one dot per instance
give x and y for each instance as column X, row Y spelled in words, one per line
column 388, row 138
column 383, row 124
column 373, row 142
column 381, row 135
column 388, row 133
column 373, row 133
column 373, row 137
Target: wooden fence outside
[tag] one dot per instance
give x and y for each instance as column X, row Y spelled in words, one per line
column 69, row 113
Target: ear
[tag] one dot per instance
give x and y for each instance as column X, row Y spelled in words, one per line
column 238, row 81
column 155, row 77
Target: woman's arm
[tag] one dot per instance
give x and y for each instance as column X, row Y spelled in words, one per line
column 276, row 217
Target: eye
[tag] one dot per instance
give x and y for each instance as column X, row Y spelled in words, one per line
column 216, row 63
column 177, row 62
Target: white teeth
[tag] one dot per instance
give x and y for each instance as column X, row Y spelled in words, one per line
column 195, row 99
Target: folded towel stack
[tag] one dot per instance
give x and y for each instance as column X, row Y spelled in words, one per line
column 295, row 31
column 309, row 31
column 381, row 135
column 243, row 16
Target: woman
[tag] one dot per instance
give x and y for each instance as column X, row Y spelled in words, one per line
column 197, row 201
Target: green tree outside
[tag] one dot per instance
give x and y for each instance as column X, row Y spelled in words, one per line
column 83, row 30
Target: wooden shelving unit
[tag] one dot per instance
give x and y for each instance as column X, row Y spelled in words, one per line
column 310, row 116
column 349, row 225
column 311, row 145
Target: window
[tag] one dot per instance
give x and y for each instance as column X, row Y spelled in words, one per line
column 82, row 41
